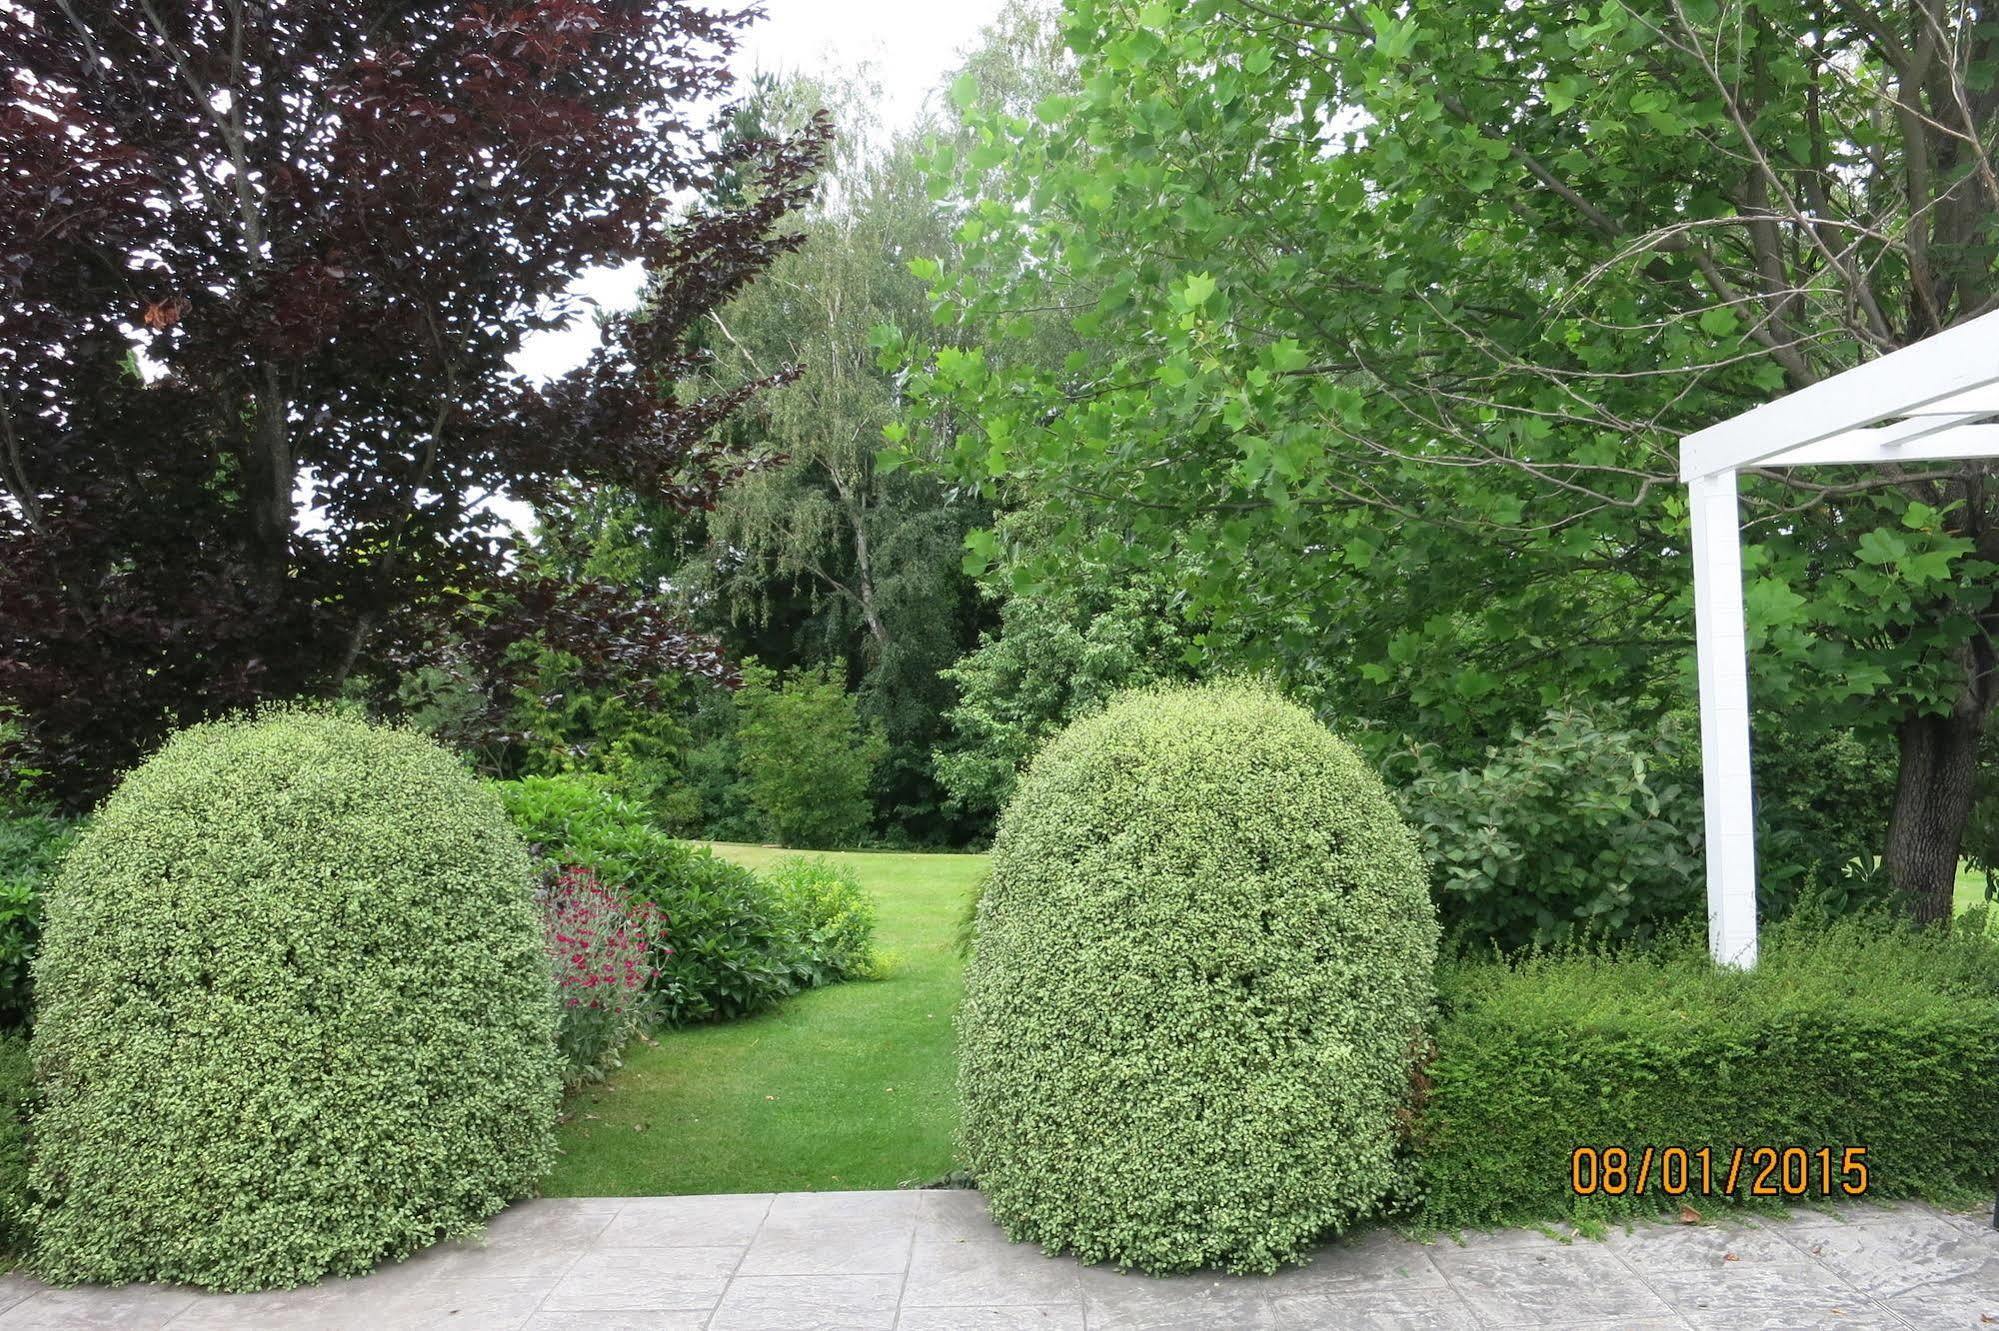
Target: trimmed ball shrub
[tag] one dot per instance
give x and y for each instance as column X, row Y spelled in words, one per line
column 1859, row 1034
column 1202, row 965
column 295, row 1012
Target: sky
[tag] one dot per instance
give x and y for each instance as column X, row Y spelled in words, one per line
column 907, row 45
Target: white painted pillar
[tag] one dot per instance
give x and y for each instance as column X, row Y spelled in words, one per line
column 1723, row 657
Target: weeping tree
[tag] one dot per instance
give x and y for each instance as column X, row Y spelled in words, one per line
column 822, row 554
column 264, row 271
column 1399, row 313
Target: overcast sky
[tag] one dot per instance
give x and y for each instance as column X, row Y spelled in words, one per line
column 907, row 45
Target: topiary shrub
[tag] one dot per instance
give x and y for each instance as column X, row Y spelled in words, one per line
column 1202, row 965
column 295, row 1012
column 829, row 914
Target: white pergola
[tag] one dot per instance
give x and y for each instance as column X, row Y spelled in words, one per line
column 1925, row 402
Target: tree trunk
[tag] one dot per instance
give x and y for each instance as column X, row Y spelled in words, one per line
column 1933, row 793
column 268, row 478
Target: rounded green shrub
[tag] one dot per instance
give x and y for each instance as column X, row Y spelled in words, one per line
column 829, row 914
column 1201, row 967
column 295, row 1012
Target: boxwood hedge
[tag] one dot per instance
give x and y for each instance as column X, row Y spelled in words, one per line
column 1859, row 1034
column 296, row 1016
column 1200, row 968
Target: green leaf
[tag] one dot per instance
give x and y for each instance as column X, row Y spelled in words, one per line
column 981, row 551
column 964, row 91
column 1287, row 356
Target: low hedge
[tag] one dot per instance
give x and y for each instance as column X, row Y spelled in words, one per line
column 1862, row 1033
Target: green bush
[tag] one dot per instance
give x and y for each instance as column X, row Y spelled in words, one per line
column 727, row 948
column 1202, row 965
column 806, row 758
column 16, row 1104
column 295, row 1012
column 829, row 914
column 1571, row 826
column 32, row 844
column 1861, row 1033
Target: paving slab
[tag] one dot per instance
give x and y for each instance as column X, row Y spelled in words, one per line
column 933, row 1261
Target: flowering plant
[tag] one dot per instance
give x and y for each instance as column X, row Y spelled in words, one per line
column 603, row 951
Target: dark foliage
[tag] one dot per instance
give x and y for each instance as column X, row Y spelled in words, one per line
column 323, row 228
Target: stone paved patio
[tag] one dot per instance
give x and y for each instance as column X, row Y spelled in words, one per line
column 931, row 1261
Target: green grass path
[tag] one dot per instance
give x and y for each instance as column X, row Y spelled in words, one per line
column 844, row 1087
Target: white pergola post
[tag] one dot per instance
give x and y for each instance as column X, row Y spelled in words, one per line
column 1726, row 800
column 1933, row 401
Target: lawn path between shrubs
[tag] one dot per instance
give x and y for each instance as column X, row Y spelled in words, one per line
column 844, row 1087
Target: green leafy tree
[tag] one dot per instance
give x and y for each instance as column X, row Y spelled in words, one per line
column 1055, row 659
column 807, row 757
column 1396, row 317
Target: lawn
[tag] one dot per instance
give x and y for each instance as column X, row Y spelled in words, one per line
column 1970, row 890
column 844, row 1087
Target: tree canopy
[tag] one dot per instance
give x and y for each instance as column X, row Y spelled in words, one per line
column 1396, row 316
column 265, row 268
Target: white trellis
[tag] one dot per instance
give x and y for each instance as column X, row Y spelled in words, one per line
column 1925, row 402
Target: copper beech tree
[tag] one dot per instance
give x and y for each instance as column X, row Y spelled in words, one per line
column 262, row 267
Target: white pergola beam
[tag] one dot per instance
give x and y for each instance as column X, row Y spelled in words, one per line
column 1722, row 653
column 1919, row 439
column 1954, row 362
column 1934, row 397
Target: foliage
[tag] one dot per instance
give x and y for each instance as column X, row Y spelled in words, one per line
column 1571, row 826
column 817, row 556
column 1397, row 315
column 636, row 739
column 294, row 1013
column 602, row 950
column 806, row 757
column 1199, row 898
column 32, row 845
column 302, row 260
column 720, row 796
column 1055, row 659
column 17, row 1090
column 729, row 952
column 831, row 916
column 1822, row 802
column 1858, row 1034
